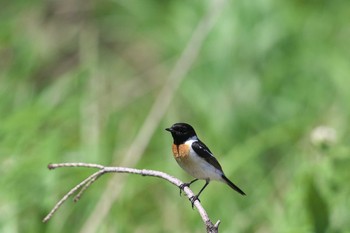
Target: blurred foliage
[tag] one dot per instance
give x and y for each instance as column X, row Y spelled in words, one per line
column 77, row 79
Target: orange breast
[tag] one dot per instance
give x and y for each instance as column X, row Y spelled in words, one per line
column 181, row 151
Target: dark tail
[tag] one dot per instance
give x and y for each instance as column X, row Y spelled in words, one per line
column 232, row 185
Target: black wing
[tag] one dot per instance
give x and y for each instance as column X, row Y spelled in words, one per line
column 203, row 151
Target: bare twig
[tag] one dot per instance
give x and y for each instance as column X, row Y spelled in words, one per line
column 70, row 193
column 85, row 184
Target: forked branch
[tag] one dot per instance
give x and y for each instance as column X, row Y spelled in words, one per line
column 79, row 189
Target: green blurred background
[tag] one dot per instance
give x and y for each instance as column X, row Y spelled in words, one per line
column 268, row 93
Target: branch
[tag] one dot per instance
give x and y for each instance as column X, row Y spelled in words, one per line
column 85, row 184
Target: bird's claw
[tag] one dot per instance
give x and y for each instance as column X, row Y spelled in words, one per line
column 182, row 186
column 193, row 199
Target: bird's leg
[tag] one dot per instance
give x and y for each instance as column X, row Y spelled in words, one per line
column 196, row 197
column 186, row 184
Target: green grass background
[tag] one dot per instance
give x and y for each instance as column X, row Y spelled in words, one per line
column 78, row 78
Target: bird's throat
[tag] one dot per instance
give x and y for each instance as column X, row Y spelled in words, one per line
column 180, row 151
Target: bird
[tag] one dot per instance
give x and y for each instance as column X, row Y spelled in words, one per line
column 196, row 159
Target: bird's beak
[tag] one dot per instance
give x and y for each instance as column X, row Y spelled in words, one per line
column 169, row 129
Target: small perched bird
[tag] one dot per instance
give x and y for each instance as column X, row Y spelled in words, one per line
column 196, row 158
